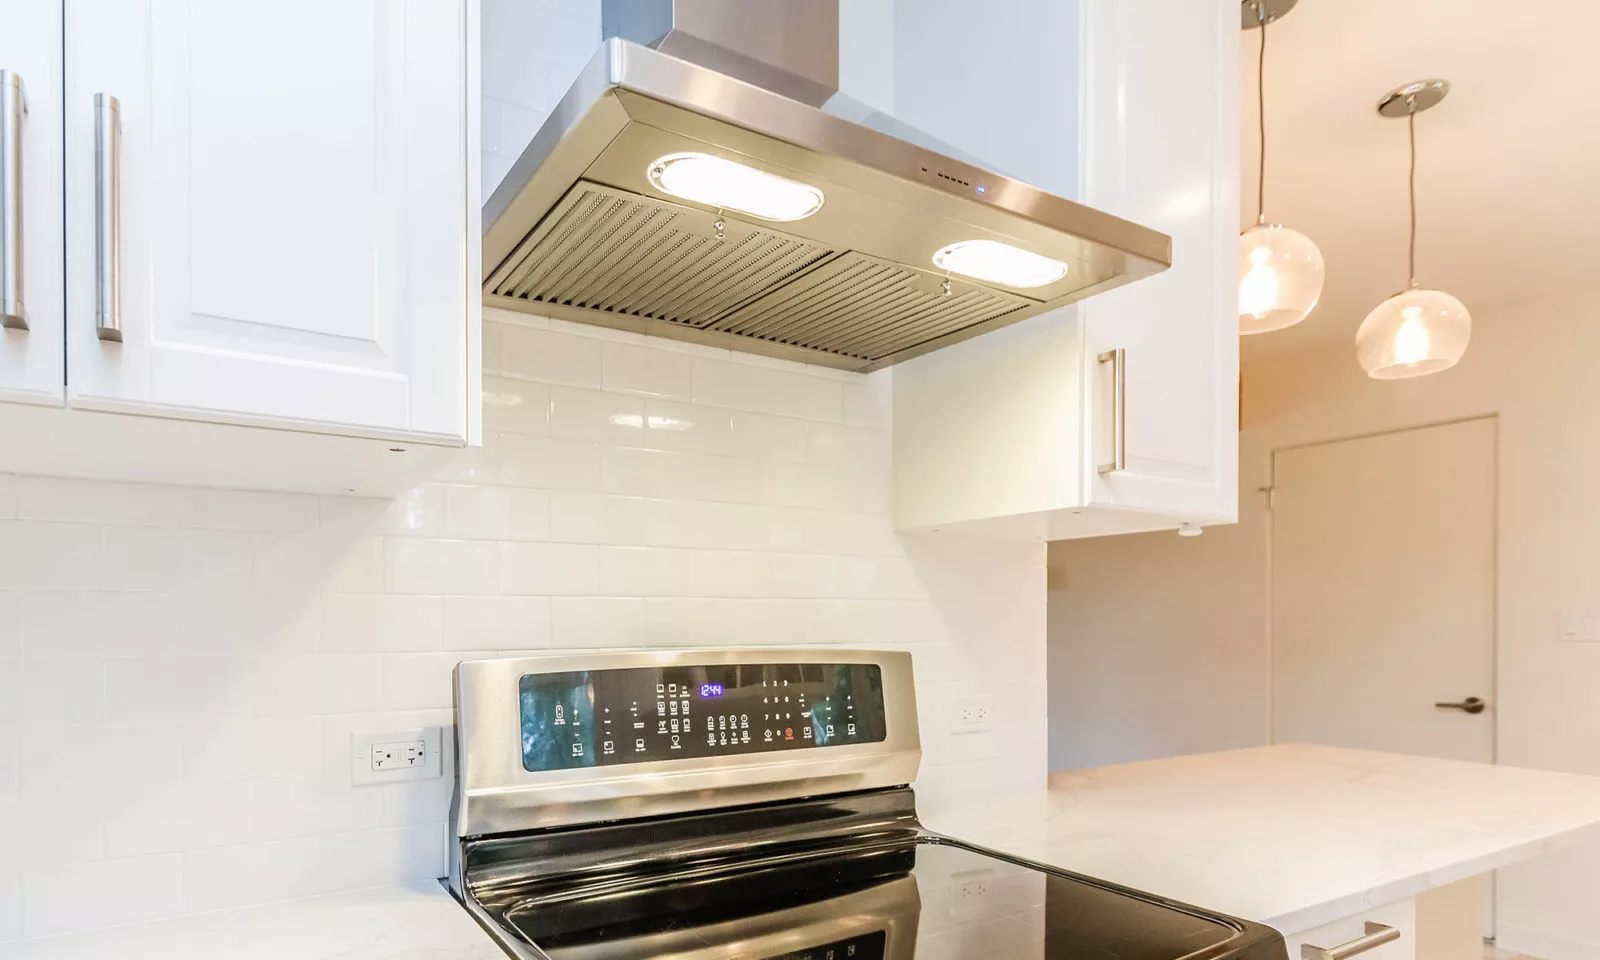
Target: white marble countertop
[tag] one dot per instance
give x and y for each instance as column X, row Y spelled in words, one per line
column 1291, row 835
column 419, row 922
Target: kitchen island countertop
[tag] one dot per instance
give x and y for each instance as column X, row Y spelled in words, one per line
column 1292, row 835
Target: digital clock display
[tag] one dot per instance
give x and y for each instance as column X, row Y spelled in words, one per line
column 635, row 715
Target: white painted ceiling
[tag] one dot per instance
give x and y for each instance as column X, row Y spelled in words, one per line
column 1508, row 168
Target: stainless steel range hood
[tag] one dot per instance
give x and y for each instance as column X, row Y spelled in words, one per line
column 580, row 229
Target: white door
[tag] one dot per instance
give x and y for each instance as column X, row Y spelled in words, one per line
column 30, row 338
column 295, row 211
column 1383, row 591
column 1160, row 135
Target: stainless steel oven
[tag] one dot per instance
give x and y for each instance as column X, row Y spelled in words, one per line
column 752, row 804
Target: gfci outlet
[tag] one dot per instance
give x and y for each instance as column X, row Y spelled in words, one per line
column 972, row 715
column 396, row 756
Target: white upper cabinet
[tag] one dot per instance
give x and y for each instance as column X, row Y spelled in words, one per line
column 1160, row 147
column 288, row 210
column 30, row 202
column 1017, row 433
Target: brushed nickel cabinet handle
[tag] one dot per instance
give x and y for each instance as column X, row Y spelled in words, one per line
column 1376, row 936
column 13, row 104
column 1118, row 359
column 108, row 217
column 1469, row 705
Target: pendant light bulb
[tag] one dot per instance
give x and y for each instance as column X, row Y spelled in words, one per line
column 1417, row 331
column 1280, row 270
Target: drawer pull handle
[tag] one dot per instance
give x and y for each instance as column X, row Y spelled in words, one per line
column 1377, row 935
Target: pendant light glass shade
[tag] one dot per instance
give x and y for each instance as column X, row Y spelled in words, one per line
column 1280, row 278
column 1280, row 270
column 1412, row 334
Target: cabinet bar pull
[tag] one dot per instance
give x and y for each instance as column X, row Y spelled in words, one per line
column 1118, row 359
column 108, row 216
column 1377, row 935
column 13, row 104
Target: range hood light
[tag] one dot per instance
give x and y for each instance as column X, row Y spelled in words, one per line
column 715, row 182
column 1001, row 263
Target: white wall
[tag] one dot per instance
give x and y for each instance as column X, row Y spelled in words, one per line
column 1534, row 365
column 180, row 669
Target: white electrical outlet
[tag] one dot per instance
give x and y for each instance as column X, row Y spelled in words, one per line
column 972, row 715
column 399, row 756
column 396, row 756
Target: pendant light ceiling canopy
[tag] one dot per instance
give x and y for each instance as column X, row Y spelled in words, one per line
column 1280, row 270
column 1417, row 331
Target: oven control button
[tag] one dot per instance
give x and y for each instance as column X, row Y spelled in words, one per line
column 577, row 749
column 638, row 745
column 768, row 735
column 711, row 739
column 675, row 744
column 661, row 708
column 850, row 730
column 744, row 736
column 608, row 748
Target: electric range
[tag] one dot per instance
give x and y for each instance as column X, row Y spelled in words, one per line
column 713, row 805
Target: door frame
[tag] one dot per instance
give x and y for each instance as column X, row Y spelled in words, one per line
column 1491, row 881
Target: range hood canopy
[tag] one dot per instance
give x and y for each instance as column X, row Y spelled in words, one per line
column 704, row 180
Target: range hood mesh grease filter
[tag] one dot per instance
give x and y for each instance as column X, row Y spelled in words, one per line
column 610, row 250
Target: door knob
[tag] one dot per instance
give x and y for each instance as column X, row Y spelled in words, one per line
column 1469, row 705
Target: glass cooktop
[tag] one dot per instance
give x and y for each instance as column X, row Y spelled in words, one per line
column 899, row 898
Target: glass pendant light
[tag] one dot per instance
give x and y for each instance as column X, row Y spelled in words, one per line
column 1417, row 331
column 1280, row 270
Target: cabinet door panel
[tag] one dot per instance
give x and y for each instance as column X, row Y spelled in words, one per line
column 1161, row 148
column 30, row 48
column 294, row 211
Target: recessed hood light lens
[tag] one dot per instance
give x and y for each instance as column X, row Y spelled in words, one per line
column 999, row 263
column 716, row 182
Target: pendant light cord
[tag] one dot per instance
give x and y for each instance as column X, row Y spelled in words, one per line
column 1411, row 261
column 1261, row 117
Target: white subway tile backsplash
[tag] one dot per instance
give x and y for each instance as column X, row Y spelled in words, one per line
column 92, row 501
column 549, row 569
column 438, row 566
column 62, row 758
column 421, row 681
column 745, row 386
column 630, row 368
column 169, row 818
column 211, row 652
column 51, row 691
column 252, row 748
column 577, row 414
column 548, row 356
column 515, row 406
column 647, row 473
column 360, row 622
column 646, row 571
column 579, row 622
column 550, row 463
column 497, row 513
column 48, row 555
column 319, row 684
column 499, row 623
column 57, row 898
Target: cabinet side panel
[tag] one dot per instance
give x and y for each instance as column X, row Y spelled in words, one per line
column 989, row 428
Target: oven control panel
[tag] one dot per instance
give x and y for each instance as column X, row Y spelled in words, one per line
column 588, row 718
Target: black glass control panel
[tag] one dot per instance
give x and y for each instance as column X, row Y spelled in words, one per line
column 587, row 718
column 865, row 947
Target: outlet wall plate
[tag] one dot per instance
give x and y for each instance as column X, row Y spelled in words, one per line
column 393, row 756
